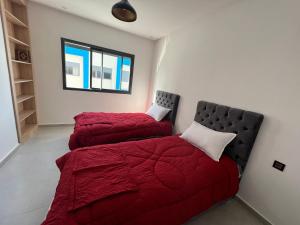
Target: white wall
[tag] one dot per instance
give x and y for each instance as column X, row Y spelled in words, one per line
column 56, row 105
column 8, row 132
column 246, row 55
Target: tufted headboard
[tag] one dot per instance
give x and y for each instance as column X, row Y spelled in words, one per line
column 170, row 101
column 222, row 118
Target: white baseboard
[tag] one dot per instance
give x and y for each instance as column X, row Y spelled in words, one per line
column 9, row 155
column 249, row 206
column 54, row 124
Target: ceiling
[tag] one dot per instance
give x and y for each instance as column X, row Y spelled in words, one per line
column 156, row 18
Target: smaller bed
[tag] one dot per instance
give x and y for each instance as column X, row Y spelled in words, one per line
column 93, row 128
column 161, row 181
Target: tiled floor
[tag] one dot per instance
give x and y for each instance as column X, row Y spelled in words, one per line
column 29, row 178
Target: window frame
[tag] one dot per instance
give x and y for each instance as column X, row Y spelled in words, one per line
column 96, row 49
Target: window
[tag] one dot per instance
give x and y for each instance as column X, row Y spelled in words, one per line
column 90, row 68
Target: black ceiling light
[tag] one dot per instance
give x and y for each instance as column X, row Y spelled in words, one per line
column 124, row 11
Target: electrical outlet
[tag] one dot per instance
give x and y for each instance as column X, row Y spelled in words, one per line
column 278, row 165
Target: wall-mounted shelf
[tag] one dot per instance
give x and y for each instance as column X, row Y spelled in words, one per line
column 11, row 18
column 19, row 61
column 23, row 98
column 25, row 114
column 16, row 41
column 19, row 81
column 27, row 131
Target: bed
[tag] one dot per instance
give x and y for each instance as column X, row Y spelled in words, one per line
column 104, row 128
column 162, row 181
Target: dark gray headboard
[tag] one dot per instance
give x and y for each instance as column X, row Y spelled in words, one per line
column 222, row 118
column 170, row 101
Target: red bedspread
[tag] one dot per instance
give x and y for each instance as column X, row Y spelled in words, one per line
column 105, row 128
column 161, row 181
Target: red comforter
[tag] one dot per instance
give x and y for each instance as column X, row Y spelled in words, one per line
column 105, row 128
column 161, row 181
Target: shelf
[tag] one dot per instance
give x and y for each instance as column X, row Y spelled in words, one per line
column 23, row 98
column 22, row 62
column 18, row 81
column 25, row 114
column 14, row 40
column 16, row 32
column 19, row 2
column 10, row 17
column 27, row 130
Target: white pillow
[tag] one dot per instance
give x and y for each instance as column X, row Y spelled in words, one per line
column 157, row 112
column 211, row 142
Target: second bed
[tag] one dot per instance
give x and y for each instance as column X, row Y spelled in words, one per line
column 94, row 128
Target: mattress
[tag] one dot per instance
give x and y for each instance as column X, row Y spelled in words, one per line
column 105, row 128
column 162, row 181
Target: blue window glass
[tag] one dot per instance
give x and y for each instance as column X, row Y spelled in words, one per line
column 126, row 72
column 77, row 64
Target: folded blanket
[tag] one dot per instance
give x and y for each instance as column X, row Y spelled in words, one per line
column 98, row 175
column 84, row 160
